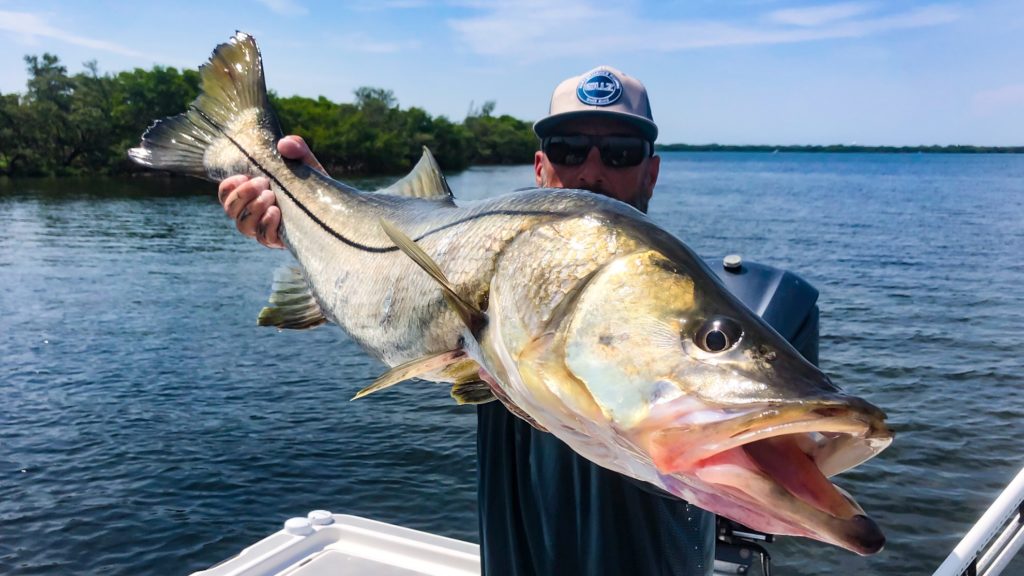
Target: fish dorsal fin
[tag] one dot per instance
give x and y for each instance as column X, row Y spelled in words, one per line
column 474, row 318
column 293, row 306
column 472, row 392
column 412, row 369
column 424, row 181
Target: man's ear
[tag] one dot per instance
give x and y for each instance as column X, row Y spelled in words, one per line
column 653, row 167
column 650, row 178
column 538, row 167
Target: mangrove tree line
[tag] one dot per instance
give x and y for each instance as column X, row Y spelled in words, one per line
column 83, row 123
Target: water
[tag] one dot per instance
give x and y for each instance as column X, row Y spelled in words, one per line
column 148, row 426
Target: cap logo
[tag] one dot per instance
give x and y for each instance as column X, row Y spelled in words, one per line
column 599, row 88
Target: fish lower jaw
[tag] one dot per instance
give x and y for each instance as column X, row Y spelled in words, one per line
column 776, row 487
column 767, row 467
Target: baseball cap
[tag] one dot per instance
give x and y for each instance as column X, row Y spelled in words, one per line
column 599, row 92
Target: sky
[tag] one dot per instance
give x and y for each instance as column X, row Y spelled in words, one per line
column 782, row 72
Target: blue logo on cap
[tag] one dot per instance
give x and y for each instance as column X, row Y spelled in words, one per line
column 599, row 88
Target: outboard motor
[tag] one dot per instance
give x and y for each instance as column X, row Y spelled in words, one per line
column 790, row 305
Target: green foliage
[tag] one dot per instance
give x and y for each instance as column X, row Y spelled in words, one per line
column 13, row 120
column 84, row 123
column 501, row 140
column 46, row 108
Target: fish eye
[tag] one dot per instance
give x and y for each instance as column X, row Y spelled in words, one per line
column 718, row 334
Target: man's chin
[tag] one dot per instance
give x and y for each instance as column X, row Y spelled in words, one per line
column 639, row 202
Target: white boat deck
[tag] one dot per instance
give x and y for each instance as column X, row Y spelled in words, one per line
column 325, row 544
column 340, row 545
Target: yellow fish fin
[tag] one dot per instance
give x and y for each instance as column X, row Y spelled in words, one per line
column 474, row 318
column 412, row 369
column 292, row 305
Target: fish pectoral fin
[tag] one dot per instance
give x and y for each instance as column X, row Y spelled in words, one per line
column 293, row 306
column 412, row 369
column 474, row 318
column 424, row 181
column 472, row 392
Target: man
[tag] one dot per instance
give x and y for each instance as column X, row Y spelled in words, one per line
column 543, row 508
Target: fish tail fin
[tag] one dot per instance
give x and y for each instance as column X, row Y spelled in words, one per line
column 222, row 129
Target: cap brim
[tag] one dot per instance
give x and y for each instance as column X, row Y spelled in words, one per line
column 546, row 126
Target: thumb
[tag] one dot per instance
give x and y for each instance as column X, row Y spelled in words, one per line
column 295, row 148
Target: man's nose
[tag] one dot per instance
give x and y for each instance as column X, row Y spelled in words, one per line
column 592, row 169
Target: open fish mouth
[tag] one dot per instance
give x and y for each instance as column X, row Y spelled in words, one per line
column 774, row 463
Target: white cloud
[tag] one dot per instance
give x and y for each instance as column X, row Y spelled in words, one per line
column 680, row 36
column 994, row 101
column 817, row 15
column 383, row 5
column 533, row 29
column 29, row 27
column 539, row 27
column 285, row 7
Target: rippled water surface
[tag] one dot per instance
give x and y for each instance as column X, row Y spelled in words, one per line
column 148, row 426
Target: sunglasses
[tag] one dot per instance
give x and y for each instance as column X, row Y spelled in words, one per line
column 616, row 151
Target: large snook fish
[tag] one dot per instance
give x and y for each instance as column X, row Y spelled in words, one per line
column 576, row 311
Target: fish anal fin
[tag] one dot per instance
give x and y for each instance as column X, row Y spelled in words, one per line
column 474, row 318
column 424, row 181
column 292, row 304
column 412, row 369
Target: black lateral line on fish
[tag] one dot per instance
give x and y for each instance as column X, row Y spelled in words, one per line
column 288, row 193
column 472, row 217
column 339, row 235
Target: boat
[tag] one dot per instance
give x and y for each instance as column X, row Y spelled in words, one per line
column 994, row 540
column 323, row 543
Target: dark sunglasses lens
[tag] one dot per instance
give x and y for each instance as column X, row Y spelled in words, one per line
column 567, row 150
column 621, row 152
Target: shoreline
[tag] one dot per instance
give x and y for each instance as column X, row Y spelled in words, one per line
column 841, row 148
column 658, row 148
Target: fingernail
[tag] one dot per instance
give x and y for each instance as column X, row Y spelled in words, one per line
column 245, row 214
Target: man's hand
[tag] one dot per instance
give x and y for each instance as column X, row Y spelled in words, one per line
column 251, row 203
